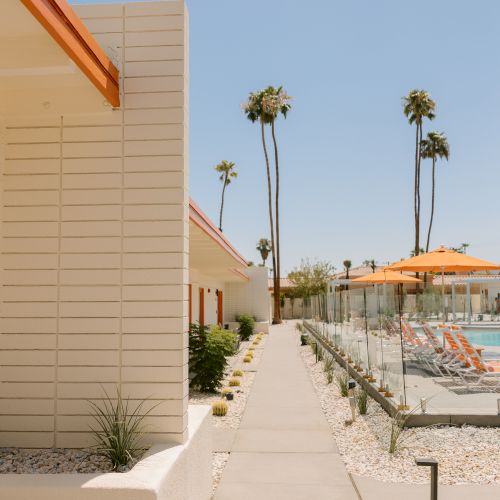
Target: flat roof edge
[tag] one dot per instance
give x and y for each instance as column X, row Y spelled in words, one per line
column 67, row 29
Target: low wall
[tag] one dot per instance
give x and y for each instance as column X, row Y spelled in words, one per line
column 167, row 472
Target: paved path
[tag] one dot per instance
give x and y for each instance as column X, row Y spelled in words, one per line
column 284, row 448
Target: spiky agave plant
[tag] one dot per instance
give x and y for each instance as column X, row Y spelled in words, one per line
column 118, row 430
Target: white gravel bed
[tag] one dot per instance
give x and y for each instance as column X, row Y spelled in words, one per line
column 54, row 461
column 466, row 455
column 219, row 461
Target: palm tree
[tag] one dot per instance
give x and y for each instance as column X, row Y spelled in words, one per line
column 370, row 263
column 417, row 105
column 264, row 247
column 434, row 146
column 265, row 106
column 347, row 266
column 276, row 102
column 227, row 172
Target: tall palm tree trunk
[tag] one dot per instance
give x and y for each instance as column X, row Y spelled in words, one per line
column 271, row 222
column 416, row 191
column 432, row 202
column 277, row 222
column 222, row 203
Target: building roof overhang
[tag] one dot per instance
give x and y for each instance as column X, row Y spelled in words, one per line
column 209, row 250
column 50, row 63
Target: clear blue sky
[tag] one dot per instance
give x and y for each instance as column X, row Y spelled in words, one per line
column 346, row 148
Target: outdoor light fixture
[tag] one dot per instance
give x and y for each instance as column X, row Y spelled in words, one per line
column 352, row 404
column 433, row 464
column 423, row 405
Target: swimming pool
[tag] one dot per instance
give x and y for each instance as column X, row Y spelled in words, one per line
column 486, row 336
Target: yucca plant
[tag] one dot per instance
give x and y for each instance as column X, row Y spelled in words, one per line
column 118, row 430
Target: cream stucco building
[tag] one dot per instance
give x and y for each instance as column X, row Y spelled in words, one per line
column 104, row 258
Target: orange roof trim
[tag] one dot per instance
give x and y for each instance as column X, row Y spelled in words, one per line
column 197, row 216
column 66, row 28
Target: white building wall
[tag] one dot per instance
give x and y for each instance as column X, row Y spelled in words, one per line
column 210, row 285
column 94, row 249
column 251, row 297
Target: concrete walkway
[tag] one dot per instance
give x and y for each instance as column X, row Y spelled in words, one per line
column 284, row 448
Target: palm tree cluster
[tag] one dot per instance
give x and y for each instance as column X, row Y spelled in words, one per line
column 265, row 106
column 418, row 106
column 227, row 173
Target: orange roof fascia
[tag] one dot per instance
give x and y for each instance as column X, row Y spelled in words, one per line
column 198, row 217
column 67, row 29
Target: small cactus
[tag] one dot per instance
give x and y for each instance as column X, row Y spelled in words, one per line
column 234, row 382
column 249, row 354
column 251, row 349
column 256, row 342
column 247, row 359
column 237, row 373
column 219, row 408
column 226, row 390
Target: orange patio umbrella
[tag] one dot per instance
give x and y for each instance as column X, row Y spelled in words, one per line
column 386, row 276
column 443, row 260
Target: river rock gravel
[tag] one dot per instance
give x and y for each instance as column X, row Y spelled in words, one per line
column 55, row 461
column 466, row 454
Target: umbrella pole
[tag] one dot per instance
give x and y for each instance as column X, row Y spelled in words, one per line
column 366, row 332
column 442, row 294
column 400, row 292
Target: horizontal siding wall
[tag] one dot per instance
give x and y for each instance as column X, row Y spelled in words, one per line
column 94, row 244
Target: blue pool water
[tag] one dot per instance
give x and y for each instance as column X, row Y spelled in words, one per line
column 484, row 337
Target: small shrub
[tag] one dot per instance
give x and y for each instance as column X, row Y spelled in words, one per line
column 247, row 359
column 304, row 339
column 118, row 429
column 208, row 353
column 362, row 401
column 342, row 381
column 219, row 408
column 234, row 382
column 237, row 373
column 247, row 324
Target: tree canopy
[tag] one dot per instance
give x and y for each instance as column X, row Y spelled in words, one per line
column 311, row 278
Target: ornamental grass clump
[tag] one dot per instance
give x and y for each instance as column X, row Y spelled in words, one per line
column 398, row 433
column 342, row 381
column 219, row 408
column 362, row 401
column 247, row 324
column 118, row 429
